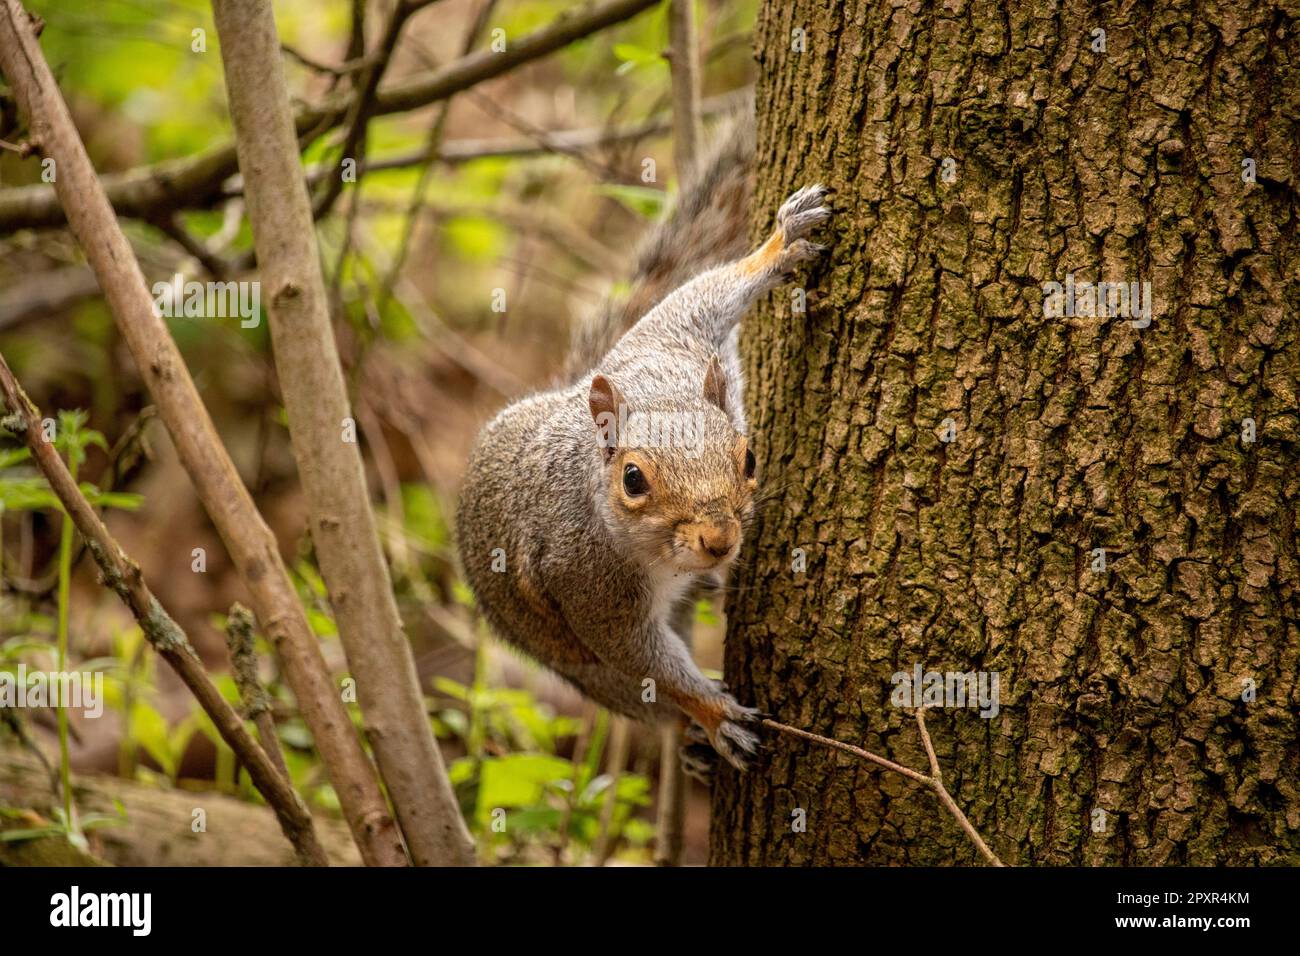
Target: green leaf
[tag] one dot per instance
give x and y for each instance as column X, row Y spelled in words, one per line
column 123, row 500
column 451, row 688
column 536, row 820
column 641, row 200
column 704, row 612
column 634, row 56
column 461, row 770
column 13, row 456
column 27, row 494
column 517, row 780
column 475, row 238
column 31, row 833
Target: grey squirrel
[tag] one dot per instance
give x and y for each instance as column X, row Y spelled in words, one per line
column 592, row 514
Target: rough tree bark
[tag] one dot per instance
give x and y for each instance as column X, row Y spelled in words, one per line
column 1121, row 690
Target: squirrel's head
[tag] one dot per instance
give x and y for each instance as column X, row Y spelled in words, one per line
column 680, row 479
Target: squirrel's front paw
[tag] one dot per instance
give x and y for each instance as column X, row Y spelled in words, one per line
column 801, row 212
column 732, row 739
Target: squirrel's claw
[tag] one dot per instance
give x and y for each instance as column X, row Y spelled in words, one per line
column 799, row 252
column 733, row 741
column 804, row 210
column 799, row 215
column 735, row 744
column 699, row 761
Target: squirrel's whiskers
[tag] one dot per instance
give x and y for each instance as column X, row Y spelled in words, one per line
column 594, row 514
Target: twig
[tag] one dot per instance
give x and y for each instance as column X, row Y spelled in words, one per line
column 46, row 292
column 9, row 717
column 170, row 226
column 196, row 180
column 670, row 810
column 544, row 141
column 428, row 154
column 684, row 63
column 343, row 69
column 551, row 142
column 934, row 780
column 936, row 783
column 567, row 237
column 620, row 735
column 123, row 576
column 250, row 542
column 357, row 35
column 243, row 667
column 440, row 335
column 358, row 117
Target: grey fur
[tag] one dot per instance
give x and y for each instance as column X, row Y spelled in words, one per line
column 592, row 586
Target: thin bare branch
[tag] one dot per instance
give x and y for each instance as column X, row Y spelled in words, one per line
column 934, row 780
column 243, row 667
column 123, row 576
column 343, row 69
column 195, row 181
column 311, row 380
column 250, row 542
column 359, row 110
column 620, row 740
column 428, row 155
column 684, row 62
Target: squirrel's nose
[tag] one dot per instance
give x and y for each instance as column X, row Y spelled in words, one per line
column 717, row 541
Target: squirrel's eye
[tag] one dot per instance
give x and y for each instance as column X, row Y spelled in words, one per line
column 750, row 464
column 634, row 482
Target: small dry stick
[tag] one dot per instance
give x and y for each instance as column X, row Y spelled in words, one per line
column 670, row 814
column 243, row 666
column 684, row 62
column 620, row 738
column 934, row 780
column 579, row 748
column 123, row 576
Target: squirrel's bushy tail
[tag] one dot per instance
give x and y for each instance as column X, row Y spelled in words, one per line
column 707, row 226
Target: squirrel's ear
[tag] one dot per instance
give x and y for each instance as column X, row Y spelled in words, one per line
column 715, row 384
column 604, row 400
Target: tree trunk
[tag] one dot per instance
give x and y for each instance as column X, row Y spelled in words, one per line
column 978, row 152
column 343, row 527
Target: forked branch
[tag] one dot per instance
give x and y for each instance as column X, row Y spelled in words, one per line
column 933, row 780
